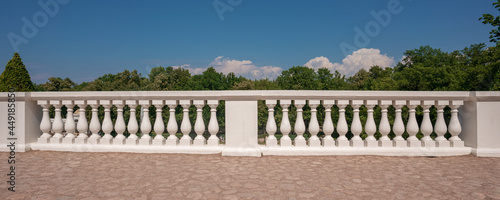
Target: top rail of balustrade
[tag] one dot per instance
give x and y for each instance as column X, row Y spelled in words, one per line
column 249, row 95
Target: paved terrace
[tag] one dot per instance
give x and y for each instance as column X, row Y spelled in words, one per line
column 65, row 175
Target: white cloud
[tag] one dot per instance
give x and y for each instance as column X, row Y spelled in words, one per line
column 239, row 67
column 362, row 58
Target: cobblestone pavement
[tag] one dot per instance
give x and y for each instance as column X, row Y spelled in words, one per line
column 66, row 175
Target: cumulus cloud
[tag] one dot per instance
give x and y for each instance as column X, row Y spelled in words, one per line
column 360, row 59
column 239, row 67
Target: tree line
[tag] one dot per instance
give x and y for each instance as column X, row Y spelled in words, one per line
column 424, row 69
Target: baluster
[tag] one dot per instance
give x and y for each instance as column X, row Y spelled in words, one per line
column 440, row 126
column 342, row 127
column 120, row 123
column 426, row 126
column 285, row 127
column 132, row 126
column 271, row 127
column 384, row 127
column 399, row 127
column 45, row 125
column 213, row 125
column 185, row 124
column 370, row 127
column 412, row 126
column 57, row 125
column 69, row 126
column 199, row 124
column 454, row 127
column 314, row 125
column 82, row 125
column 145, row 123
column 107, row 124
column 95, row 125
column 172, row 127
column 356, row 127
column 159, row 125
column 300, row 127
column 328, row 128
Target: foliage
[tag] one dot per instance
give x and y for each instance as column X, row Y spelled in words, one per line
column 16, row 76
column 493, row 21
column 298, row 78
column 57, row 84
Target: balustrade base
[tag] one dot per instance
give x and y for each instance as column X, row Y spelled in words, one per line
column 199, row 142
column 457, row 144
column 385, row 143
column 314, row 143
column 300, row 143
column 43, row 140
column 415, row 143
column 428, row 143
column 185, row 142
column 158, row 142
column 171, row 142
column 54, row 140
column 118, row 141
column 371, row 143
column 444, row 143
column 285, row 143
column 67, row 140
column 214, row 143
column 271, row 142
column 127, row 148
column 486, row 152
column 131, row 142
column 400, row 143
column 357, row 143
column 80, row 140
column 342, row 143
column 382, row 151
column 93, row 141
column 106, row 141
column 329, row 143
column 145, row 141
column 235, row 151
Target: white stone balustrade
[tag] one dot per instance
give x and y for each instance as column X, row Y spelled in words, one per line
column 120, row 141
column 383, row 133
column 370, row 127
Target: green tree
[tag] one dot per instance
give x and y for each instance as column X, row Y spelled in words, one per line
column 298, row 78
column 427, row 69
column 58, row 84
column 16, row 76
column 358, row 80
column 481, row 66
column 122, row 81
column 266, row 84
column 168, row 78
column 380, row 79
column 495, row 22
column 209, row 80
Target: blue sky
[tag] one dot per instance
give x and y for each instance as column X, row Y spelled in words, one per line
column 83, row 40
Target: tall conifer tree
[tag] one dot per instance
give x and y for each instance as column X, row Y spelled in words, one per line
column 16, row 76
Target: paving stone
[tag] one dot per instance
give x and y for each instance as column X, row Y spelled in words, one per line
column 69, row 175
